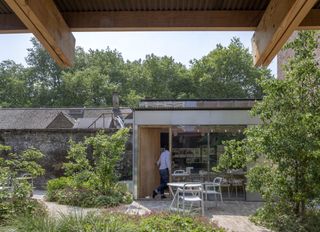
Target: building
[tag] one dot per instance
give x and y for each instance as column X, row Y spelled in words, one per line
column 192, row 129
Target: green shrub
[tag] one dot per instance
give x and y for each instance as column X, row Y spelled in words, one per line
column 91, row 182
column 57, row 184
column 16, row 200
column 11, row 209
column 116, row 223
column 175, row 222
column 279, row 218
column 35, row 223
column 88, row 198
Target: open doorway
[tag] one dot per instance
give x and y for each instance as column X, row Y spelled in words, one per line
column 151, row 139
column 164, row 139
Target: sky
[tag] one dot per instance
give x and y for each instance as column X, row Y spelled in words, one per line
column 182, row 46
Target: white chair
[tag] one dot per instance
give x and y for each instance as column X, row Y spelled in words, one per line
column 6, row 185
column 190, row 198
column 214, row 188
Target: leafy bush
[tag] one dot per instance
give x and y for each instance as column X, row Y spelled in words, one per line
column 15, row 198
column 92, row 180
column 279, row 218
column 53, row 186
column 175, row 222
column 85, row 197
column 117, row 223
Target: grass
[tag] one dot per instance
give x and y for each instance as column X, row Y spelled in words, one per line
column 115, row 222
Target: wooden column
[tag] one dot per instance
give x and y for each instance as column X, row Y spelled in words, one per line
column 280, row 19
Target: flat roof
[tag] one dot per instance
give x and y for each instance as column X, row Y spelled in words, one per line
column 204, row 99
column 195, row 104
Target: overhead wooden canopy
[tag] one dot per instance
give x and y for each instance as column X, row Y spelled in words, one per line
column 52, row 21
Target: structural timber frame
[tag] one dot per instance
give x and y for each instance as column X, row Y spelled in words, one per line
column 53, row 21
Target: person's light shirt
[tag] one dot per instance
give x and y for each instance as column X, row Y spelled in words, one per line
column 164, row 160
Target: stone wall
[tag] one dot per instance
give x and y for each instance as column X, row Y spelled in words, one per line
column 54, row 144
column 285, row 54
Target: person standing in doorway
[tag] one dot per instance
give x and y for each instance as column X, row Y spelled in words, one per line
column 164, row 165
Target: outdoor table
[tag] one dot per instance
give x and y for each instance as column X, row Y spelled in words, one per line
column 179, row 176
column 178, row 185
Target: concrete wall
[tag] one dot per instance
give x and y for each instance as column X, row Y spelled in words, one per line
column 54, row 144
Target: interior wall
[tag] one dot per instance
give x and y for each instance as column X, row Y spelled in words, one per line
column 149, row 153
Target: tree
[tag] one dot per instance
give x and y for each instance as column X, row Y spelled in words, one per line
column 44, row 76
column 13, row 92
column 165, row 79
column 86, row 87
column 91, row 173
column 288, row 140
column 227, row 72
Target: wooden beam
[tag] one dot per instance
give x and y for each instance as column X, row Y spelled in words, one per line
column 44, row 20
column 148, row 21
column 114, row 21
column 163, row 20
column 280, row 19
column 10, row 23
column 311, row 21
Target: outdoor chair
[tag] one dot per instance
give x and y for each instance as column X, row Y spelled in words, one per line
column 237, row 183
column 190, row 198
column 214, row 188
column 6, row 185
column 225, row 183
column 28, row 178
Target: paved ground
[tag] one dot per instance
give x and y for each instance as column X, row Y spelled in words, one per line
column 232, row 215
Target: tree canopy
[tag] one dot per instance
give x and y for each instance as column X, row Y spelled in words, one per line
column 226, row 72
column 287, row 143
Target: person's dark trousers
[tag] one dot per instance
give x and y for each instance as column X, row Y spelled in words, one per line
column 164, row 179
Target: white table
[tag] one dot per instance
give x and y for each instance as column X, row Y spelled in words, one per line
column 173, row 188
column 177, row 185
column 180, row 176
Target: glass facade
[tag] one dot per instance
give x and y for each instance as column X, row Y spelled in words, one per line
column 200, row 147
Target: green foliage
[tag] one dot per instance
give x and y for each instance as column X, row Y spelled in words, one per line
column 92, row 180
column 54, row 185
column 116, row 223
column 279, row 218
column 226, row 72
column 175, row 222
column 13, row 90
column 15, row 197
column 234, row 157
column 107, row 151
column 287, row 142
